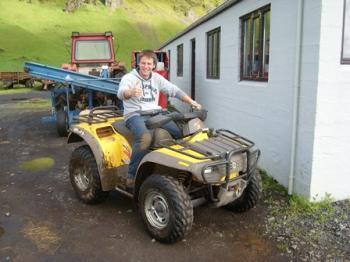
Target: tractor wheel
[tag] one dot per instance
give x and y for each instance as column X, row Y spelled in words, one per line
column 84, row 176
column 7, row 84
column 29, row 83
column 166, row 208
column 62, row 123
column 250, row 196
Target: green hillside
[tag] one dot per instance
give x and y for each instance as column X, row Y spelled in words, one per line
column 39, row 30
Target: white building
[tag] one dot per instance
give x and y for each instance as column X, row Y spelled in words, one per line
column 278, row 73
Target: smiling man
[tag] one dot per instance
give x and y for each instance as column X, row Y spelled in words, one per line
column 139, row 91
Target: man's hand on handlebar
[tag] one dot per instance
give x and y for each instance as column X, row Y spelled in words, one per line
column 195, row 105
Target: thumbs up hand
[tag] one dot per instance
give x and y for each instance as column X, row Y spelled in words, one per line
column 136, row 91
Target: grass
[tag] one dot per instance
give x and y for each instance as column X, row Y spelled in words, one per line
column 38, row 164
column 41, row 32
column 34, row 104
column 15, row 91
column 296, row 204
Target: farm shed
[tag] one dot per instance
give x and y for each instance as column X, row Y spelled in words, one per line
column 277, row 72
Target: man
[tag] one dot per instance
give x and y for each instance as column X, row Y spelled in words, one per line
column 139, row 91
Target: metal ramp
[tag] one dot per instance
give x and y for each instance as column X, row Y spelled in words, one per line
column 71, row 78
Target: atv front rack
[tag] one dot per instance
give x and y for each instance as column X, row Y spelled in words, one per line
column 222, row 143
column 99, row 114
column 222, row 146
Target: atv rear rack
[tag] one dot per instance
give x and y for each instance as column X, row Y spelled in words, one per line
column 99, row 114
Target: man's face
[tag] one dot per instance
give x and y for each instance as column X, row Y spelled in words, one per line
column 146, row 66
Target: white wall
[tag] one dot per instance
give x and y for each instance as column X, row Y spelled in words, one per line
column 331, row 167
column 308, row 93
column 260, row 111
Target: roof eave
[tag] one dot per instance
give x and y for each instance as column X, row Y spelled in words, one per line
column 221, row 8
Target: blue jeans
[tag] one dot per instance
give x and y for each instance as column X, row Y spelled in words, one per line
column 143, row 139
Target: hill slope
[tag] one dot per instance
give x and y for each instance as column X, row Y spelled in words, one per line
column 40, row 31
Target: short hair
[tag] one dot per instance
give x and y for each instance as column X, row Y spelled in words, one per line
column 149, row 54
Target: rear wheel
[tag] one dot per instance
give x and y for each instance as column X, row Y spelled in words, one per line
column 29, row 83
column 166, row 208
column 7, row 84
column 62, row 123
column 84, row 176
column 250, row 196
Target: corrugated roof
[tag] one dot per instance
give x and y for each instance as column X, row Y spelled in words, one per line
column 203, row 19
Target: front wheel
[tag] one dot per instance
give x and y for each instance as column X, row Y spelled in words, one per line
column 250, row 196
column 62, row 123
column 166, row 208
column 84, row 176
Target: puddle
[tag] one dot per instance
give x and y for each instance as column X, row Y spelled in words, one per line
column 38, row 164
column 43, row 235
column 2, row 231
column 255, row 242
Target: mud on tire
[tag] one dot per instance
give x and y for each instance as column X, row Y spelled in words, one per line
column 84, row 176
column 166, row 208
column 250, row 196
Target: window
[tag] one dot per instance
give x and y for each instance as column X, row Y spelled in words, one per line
column 255, row 45
column 92, row 50
column 213, row 54
column 180, row 56
column 345, row 55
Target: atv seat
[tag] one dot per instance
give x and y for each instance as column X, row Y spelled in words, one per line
column 159, row 135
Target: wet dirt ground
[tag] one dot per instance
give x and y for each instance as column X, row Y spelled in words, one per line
column 42, row 220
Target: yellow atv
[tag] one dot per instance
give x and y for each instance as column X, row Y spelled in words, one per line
column 206, row 165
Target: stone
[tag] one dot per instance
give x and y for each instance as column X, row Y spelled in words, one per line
column 271, row 219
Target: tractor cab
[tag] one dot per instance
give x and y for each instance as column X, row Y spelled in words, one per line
column 162, row 68
column 93, row 52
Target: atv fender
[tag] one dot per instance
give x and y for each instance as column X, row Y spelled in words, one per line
column 162, row 159
column 108, row 173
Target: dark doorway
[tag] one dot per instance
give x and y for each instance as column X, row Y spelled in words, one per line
column 193, row 68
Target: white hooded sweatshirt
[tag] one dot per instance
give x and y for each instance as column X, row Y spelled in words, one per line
column 150, row 92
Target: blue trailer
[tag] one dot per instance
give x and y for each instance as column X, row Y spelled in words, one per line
column 74, row 92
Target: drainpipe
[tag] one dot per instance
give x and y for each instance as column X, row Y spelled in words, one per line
column 296, row 94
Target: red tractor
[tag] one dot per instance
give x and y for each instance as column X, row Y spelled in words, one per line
column 91, row 54
column 92, row 51
column 162, row 68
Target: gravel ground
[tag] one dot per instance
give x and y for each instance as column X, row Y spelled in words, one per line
column 322, row 234
column 273, row 231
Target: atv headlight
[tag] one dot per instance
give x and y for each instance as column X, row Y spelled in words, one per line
column 208, row 170
column 238, row 163
column 214, row 174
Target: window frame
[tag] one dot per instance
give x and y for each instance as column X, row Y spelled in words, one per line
column 344, row 60
column 208, row 34
column 257, row 13
column 178, row 64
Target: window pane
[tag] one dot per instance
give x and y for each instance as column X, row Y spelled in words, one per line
column 213, row 54
column 266, row 54
column 255, row 44
column 92, row 50
column 210, row 54
column 180, row 60
column 247, row 65
column 346, row 36
column 256, row 47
